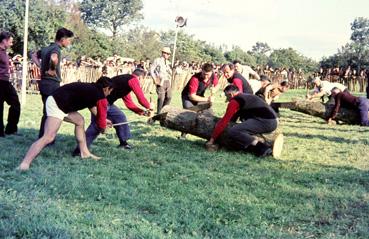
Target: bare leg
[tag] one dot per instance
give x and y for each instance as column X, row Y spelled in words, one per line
column 52, row 126
column 79, row 131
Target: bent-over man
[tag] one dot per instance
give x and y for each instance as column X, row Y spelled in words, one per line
column 256, row 118
column 123, row 85
column 346, row 100
column 63, row 105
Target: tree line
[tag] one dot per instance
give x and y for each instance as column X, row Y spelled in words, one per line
column 87, row 18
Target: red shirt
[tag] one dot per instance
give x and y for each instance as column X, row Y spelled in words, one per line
column 102, row 108
column 238, row 82
column 345, row 99
column 232, row 109
column 194, row 84
column 134, row 84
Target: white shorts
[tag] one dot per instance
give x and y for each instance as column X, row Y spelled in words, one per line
column 53, row 110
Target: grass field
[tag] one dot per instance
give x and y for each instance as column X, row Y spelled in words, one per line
column 169, row 188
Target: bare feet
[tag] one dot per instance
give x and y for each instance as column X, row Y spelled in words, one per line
column 90, row 155
column 23, row 167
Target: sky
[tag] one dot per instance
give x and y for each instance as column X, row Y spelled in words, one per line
column 315, row 28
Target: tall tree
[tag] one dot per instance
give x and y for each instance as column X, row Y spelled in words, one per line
column 238, row 54
column 360, row 38
column 44, row 19
column 290, row 58
column 111, row 14
column 260, row 52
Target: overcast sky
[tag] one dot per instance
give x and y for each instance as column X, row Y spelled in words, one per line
column 316, row 28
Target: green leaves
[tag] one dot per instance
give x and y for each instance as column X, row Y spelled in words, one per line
column 112, row 15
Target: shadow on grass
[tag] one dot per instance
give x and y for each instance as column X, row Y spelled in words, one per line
column 324, row 137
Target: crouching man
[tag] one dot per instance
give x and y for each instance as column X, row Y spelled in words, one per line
column 256, row 118
column 63, row 105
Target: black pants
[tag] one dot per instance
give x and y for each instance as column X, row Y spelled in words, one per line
column 47, row 87
column 241, row 134
column 9, row 95
column 164, row 95
column 187, row 103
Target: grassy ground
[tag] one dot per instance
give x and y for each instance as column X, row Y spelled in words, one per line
column 166, row 188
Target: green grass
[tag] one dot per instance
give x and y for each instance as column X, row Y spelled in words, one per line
column 167, row 188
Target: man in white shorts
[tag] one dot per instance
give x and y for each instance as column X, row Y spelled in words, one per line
column 63, row 105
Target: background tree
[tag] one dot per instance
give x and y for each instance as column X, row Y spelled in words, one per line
column 260, row 52
column 111, row 15
column 290, row 58
column 44, row 19
column 238, row 54
column 141, row 43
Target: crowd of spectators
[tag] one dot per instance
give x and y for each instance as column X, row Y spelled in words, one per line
column 87, row 69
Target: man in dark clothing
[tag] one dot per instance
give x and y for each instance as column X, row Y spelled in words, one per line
column 194, row 91
column 49, row 59
column 345, row 99
column 256, row 118
column 235, row 78
column 63, row 105
column 7, row 91
column 123, row 85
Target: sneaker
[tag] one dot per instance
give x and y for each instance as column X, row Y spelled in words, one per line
column 262, row 150
column 125, row 146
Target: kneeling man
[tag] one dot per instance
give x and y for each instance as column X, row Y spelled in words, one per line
column 256, row 118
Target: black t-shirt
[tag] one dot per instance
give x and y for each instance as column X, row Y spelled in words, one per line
column 45, row 54
column 77, row 96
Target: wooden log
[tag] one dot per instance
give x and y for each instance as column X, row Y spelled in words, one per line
column 318, row 109
column 202, row 123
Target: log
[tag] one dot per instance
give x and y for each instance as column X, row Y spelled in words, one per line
column 318, row 109
column 202, row 123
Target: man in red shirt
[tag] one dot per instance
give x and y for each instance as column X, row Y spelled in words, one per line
column 256, row 118
column 345, row 99
column 63, row 105
column 123, row 85
column 235, row 78
column 194, row 91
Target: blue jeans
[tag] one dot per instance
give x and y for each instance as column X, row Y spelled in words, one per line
column 363, row 109
column 116, row 116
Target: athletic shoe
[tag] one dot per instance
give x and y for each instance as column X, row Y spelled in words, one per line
column 125, row 146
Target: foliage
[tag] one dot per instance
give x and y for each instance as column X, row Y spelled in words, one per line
column 44, row 19
column 237, row 53
column 356, row 52
column 290, row 58
column 141, row 43
column 170, row 188
column 112, row 15
column 260, row 52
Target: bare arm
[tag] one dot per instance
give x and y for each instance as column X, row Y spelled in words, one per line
column 35, row 59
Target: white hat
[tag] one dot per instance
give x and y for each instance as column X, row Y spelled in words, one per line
column 166, row 50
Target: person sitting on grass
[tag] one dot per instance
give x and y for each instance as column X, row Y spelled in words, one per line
column 256, row 118
column 349, row 101
column 63, row 105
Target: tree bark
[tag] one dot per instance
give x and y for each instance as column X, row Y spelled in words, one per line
column 201, row 124
column 318, row 109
